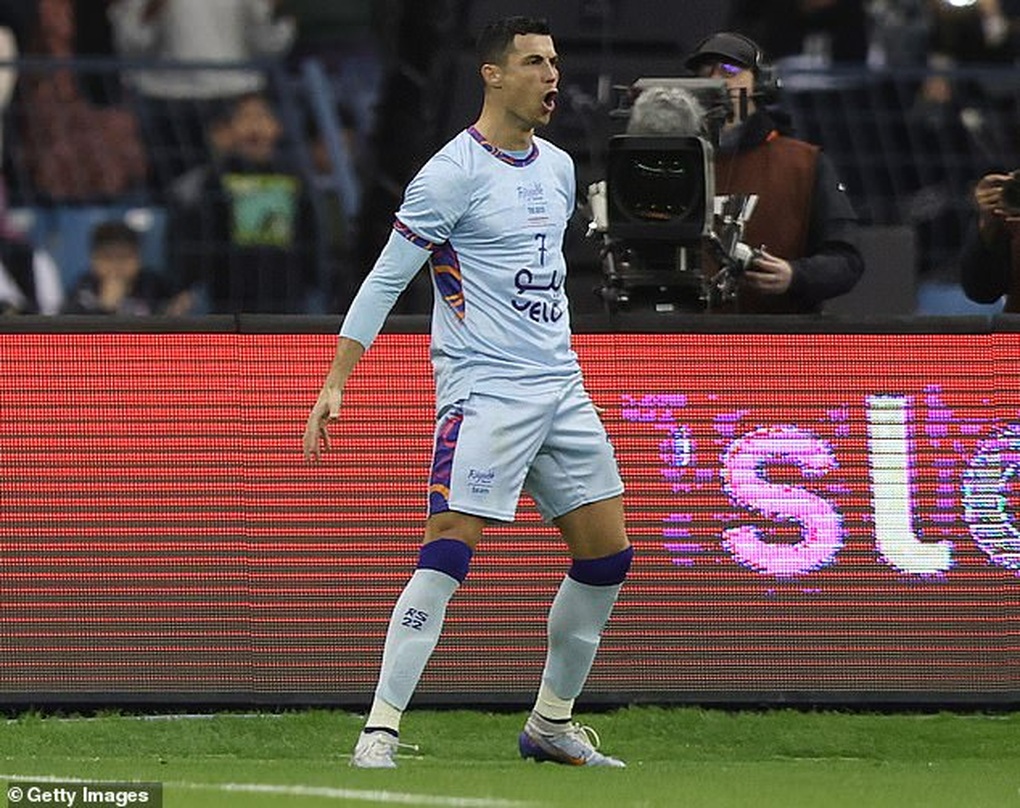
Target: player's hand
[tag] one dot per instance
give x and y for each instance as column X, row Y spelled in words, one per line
column 325, row 411
column 769, row 274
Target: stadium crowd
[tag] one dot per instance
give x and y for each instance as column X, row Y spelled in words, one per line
column 196, row 126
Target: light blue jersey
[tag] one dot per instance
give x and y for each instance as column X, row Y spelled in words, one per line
column 491, row 226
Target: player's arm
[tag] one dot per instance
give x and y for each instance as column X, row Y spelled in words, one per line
column 433, row 202
column 327, row 405
column 397, row 264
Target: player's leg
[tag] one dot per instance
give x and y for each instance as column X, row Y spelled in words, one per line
column 601, row 557
column 577, row 465
column 414, row 629
column 582, row 607
column 467, row 487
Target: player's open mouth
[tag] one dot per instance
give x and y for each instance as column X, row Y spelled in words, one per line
column 549, row 100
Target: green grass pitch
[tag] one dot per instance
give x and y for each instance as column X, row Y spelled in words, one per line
column 468, row 759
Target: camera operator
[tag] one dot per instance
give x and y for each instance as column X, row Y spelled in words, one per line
column 990, row 261
column 803, row 224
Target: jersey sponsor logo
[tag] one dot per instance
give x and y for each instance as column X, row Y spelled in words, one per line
column 544, row 310
column 532, row 198
column 539, row 311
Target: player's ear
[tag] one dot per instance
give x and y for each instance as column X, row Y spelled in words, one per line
column 492, row 75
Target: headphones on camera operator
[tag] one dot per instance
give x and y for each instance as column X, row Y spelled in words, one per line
column 744, row 51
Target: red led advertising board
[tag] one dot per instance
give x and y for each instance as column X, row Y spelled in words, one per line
column 826, row 517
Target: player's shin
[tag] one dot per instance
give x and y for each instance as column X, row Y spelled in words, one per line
column 414, row 628
column 577, row 618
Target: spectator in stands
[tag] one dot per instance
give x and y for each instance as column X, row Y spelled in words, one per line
column 341, row 276
column 175, row 103
column 346, row 39
column 981, row 33
column 70, row 149
column 245, row 230
column 803, row 221
column 821, row 31
column 29, row 279
column 219, row 135
column 990, row 261
column 11, row 33
column 116, row 281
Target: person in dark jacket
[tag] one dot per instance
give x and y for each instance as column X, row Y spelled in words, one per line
column 803, row 224
column 990, row 260
column 242, row 227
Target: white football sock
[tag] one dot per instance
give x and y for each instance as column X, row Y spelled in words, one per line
column 412, row 635
column 549, row 705
column 384, row 716
column 576, row 620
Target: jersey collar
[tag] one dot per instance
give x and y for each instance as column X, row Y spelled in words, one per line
column 499, row 154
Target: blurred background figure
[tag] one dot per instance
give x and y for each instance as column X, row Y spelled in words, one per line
column 816, row 32
column 72, row 148
column 242, row 230
column 29, row 279
column 340, row 274
column 15, row 20
column 898, row 33
column 116, row 281
column 967, row 33
column 962, row 105
column 990, row 261
column 345, row 38
column 175, row 103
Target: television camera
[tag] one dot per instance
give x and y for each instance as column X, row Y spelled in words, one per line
column 657, row 211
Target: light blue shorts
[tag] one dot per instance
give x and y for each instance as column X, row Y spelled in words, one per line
column 488, row 448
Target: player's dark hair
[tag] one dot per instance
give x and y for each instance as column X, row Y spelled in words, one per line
column 496, row 37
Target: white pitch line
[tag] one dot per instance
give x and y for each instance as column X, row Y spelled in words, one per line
column 391, row 797
column 325, row 792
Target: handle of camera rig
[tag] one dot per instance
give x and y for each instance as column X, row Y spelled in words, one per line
column 734, row 258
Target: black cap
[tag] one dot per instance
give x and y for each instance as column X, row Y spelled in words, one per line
column 728, row 46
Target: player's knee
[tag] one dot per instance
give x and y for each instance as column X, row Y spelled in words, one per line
column 455, row 525
column 609, row 570
column 449, row 556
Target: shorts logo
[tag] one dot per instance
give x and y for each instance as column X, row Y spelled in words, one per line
column 481, row 480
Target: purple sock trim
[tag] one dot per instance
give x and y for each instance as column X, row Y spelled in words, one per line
column 451, row 556
column 605, row 571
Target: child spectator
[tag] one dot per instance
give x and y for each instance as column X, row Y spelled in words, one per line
column 116, row 281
